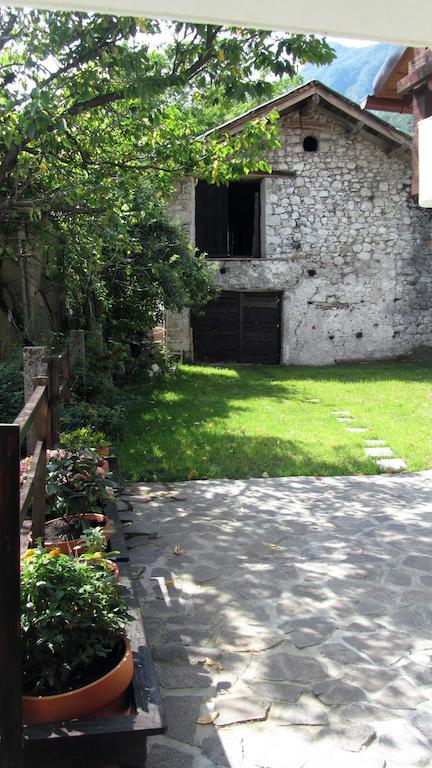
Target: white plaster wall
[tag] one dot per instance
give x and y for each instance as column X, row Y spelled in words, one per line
column 345, row 244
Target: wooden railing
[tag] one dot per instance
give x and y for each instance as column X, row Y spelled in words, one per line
column 34, row 430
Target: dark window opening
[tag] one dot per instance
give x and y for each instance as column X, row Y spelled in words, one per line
column 227, row 219
column 310, row 144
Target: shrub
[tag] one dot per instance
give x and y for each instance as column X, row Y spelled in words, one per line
column 100, row 417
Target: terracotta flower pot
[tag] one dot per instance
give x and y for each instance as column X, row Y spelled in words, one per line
column 113, row 567
column 103, row 697
column 68, row 547
column 103, row 451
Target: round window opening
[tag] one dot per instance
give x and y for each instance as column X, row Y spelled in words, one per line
column 310, row 144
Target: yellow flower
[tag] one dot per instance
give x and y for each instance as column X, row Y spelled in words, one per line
column 55, row 552
column 97, row 555
column 28, row 554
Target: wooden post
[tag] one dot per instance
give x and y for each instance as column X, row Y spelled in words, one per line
column 11, row 755
column 42, row 424
column 54, row 399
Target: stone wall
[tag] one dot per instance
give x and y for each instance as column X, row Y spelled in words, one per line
column 344, row 242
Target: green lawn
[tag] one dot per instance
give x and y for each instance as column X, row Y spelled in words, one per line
column 243, row 422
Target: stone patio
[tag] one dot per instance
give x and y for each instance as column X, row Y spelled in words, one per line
column 290, row 619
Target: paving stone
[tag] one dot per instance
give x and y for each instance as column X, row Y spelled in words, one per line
column 340, row 653
column 401, row 694
column 345, row 418
column 378, row 452
column 419, row 562
column 400, row 744
column 382, row 646
column 173, row 676
column 350, row 736
column 341, row 413
column 423, row 721
column 426, row 580
column 285, row 666
column 307, row 711
column 333, row 692
column 356, row 430
column 392, row 465
column 337, row 758
column 307, row 632
column 161, row 755
column 181, row 713
column 371, row 678
column 365, row 712
column 277, row 691
column 375, row 442
column 203, row 573
column 213, row 748
column 417, row 618
column 240, row 709
column 399, row 577
column 175, row 652
column 252, row 638
column 286, row 748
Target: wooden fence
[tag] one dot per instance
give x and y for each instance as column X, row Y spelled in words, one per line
column 34, row 430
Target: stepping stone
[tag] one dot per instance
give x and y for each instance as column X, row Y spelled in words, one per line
column 356, row 430
column 312, row 400
column 391, row 465
column 375, row 442
column 345, row 418
column 378, row 453
column 341, row 413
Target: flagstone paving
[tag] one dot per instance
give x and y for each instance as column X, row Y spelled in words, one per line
column 290, row 619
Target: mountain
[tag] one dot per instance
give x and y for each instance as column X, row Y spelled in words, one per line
column 352, row 74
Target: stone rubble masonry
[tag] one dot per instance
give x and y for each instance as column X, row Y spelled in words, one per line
column 343, row 241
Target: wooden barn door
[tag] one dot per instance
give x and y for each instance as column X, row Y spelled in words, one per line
column 260, row 315
column 239, row 327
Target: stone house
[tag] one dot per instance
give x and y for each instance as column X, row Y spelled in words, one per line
column 327, row 259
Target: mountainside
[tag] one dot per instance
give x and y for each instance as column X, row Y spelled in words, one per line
column 352, row 74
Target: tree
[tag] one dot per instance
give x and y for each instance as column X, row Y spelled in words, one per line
column 98, row 116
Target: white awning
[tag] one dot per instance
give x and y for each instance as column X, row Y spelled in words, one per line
column 387, row 20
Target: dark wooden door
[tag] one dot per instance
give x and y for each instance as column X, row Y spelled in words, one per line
column 239, row 327
column 211, row 219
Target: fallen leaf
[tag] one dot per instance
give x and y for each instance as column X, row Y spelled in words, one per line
column 178, row 551
column 265, row 474
column 270, row 545
column 212, row 663
column 207, row 719
column 169, row 582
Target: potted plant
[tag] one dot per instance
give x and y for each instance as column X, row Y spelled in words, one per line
column 86, row 439
column 76, row 492
column 95, row 543
column 76, row 658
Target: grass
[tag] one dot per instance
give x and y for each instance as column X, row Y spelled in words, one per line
column 241, row 422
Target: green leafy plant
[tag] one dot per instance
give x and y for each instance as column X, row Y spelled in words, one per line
column 11, row 388
column 73, row 618
column 75, row 484
column 82, row 438
column 100, row 417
